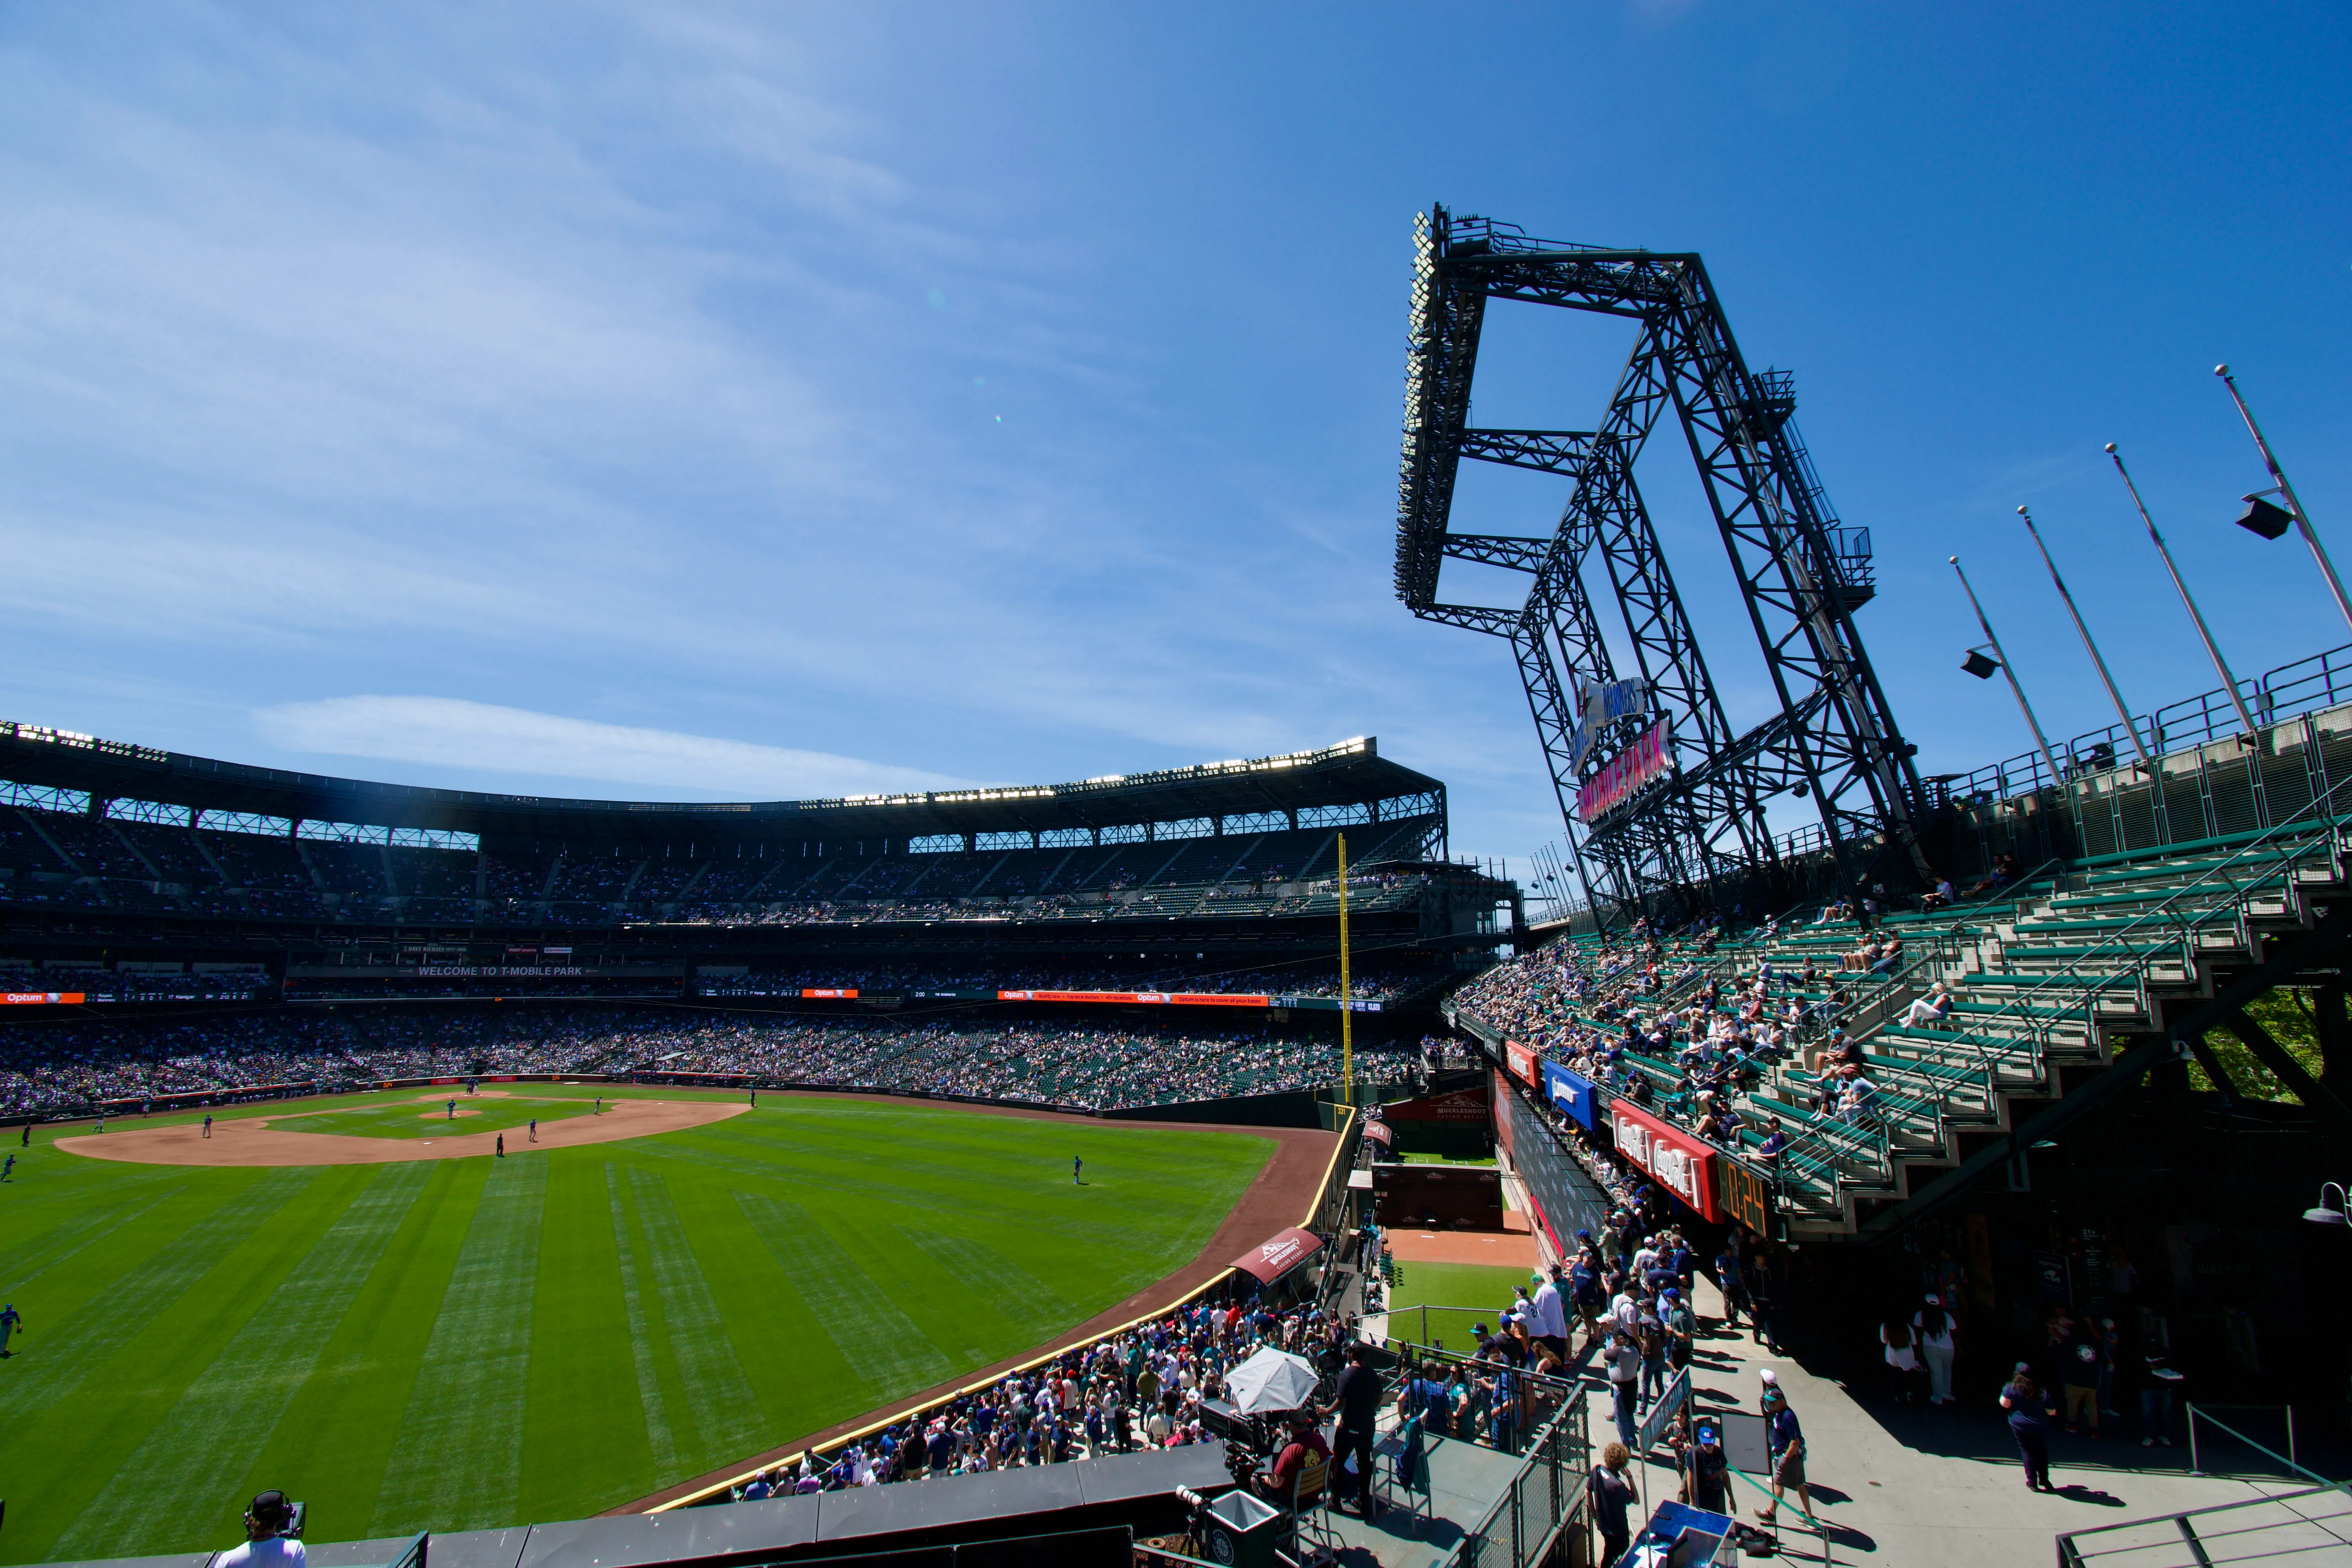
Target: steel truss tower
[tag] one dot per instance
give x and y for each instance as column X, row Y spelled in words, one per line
column 1802, row 574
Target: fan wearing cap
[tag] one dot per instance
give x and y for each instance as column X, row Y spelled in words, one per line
column 1305, row 1455
column 266, row 1544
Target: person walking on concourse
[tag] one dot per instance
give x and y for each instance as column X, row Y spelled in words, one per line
column 2031, row 1413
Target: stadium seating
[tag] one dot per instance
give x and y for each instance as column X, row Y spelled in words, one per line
column 68, row 1068
column 2043, row 980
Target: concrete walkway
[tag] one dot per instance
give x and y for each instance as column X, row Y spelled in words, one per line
column 1940, row 1487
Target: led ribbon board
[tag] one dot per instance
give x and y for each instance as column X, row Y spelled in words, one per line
column 1628, row 773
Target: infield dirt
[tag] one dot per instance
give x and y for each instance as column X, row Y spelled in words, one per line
column 253, row 1142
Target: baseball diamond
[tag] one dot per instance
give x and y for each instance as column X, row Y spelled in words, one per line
column 438, row 1336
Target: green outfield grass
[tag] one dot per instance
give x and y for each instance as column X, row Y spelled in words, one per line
column 403, row 1115
column 1458, row 1295
column 473, row 1343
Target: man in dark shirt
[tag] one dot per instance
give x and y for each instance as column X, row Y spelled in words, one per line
column 1357, row 1401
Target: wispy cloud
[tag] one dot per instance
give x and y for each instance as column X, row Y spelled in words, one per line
column 449, row 732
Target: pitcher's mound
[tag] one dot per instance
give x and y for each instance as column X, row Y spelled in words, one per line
column 248, row 1143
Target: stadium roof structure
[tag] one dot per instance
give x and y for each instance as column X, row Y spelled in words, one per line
column 1350, row 774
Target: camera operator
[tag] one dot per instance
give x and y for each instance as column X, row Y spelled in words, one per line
column 1275, row 1485
column 267, row 1545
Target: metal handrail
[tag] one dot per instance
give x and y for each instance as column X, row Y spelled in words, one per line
column 2037, row 1032
column 2306, row 686
column 2070, row 1555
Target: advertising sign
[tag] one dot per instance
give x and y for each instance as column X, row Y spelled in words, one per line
column 1522, row 1062
column 1626, row 774
column 34, row 998
column 830, row 992
column 1464, row 1105
column 1675, row 1160
column 1598, row 707
column 1573, row 1092
column 1159, row 998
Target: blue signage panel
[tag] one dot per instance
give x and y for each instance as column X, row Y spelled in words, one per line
column 1571, row 1092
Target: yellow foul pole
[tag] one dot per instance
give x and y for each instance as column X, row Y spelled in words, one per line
column 1347, row 1013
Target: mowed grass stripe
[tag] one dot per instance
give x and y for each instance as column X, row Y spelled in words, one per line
column 724, row 1413
column 1131, row 1174
column 336, row 1439
column 584, row 1441
column 458, row 1462
column 935, row 1183
column 171, row 1487
column 980, row 1271
column 71, row 1350
column 890, row 1355
column 658, row 1437
column 66, row 1238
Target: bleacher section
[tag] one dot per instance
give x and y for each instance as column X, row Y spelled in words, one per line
column 2052, row 983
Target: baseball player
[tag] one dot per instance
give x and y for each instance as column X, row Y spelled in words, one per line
column 11, row 1321
column 1076, row 1164
column 534, row 1129
column 8, row 1168
column 208, row 1123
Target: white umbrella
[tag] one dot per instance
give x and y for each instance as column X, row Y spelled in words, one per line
column 1271, row 1380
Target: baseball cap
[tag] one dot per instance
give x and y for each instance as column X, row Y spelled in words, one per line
column 270, row 1505
column 1767, row 1374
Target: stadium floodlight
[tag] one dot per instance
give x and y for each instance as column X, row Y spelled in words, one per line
column 2260, row 517
column 2258, row 512
column 1999, row 661
column 2321, row 1214
column 1977, row 665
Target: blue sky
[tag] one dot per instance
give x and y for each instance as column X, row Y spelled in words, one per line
column 765, row 401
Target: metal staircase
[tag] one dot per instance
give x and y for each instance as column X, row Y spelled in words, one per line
column 2059, row 1005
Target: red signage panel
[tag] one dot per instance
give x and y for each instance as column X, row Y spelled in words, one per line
column 1523, row 1063
column 35, row 998
column 1675, row 1160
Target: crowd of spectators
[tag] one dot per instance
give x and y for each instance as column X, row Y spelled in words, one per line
column 1138, row 1390
column 64, row 1068
column 1651, row 1016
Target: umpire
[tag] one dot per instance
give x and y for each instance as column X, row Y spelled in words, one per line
column 1357, row 1401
